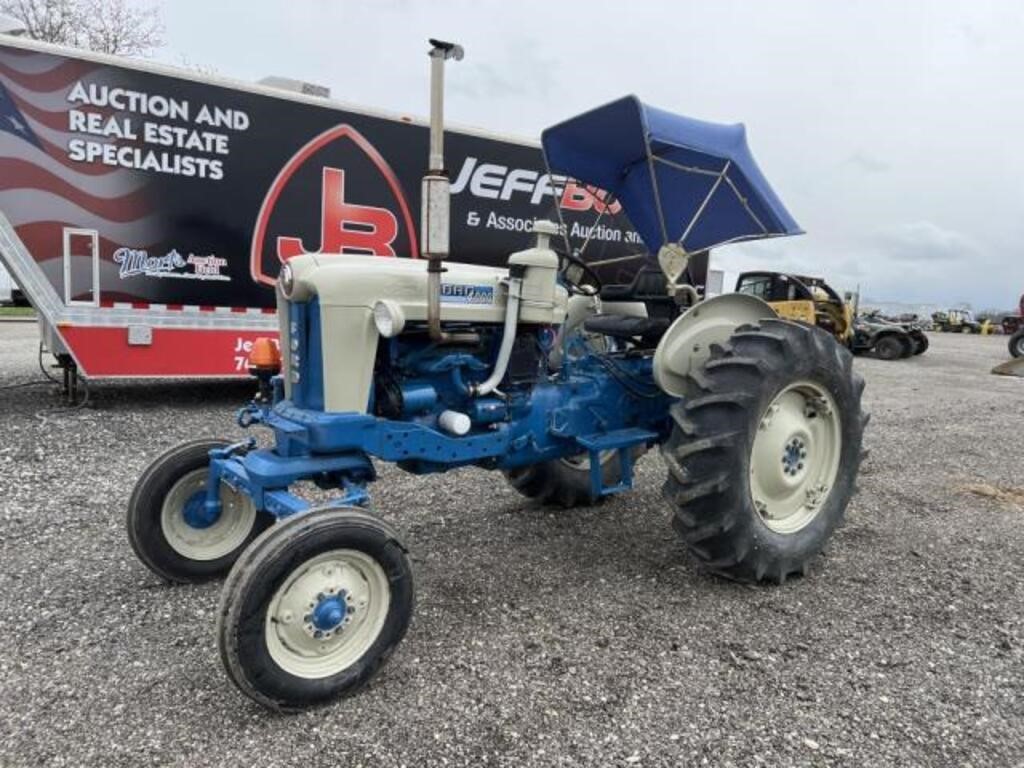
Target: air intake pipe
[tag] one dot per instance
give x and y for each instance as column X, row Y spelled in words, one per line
column 508, row 340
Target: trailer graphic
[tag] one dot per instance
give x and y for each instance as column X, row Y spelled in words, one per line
column 146, row 211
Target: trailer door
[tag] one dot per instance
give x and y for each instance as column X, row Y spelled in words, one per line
column 81, row 267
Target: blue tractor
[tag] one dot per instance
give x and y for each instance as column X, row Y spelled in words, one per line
column 535, row 370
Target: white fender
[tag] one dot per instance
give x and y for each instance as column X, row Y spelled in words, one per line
column 686, row 345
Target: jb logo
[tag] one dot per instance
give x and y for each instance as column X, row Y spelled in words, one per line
column 346, row 227
column 340, row 154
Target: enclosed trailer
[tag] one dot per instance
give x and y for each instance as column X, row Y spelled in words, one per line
column 146, row 211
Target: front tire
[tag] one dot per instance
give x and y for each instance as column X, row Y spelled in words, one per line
column 314, row 607
column 166, row 525
column 890, row 348
column 763, row 456
column 1017, row 344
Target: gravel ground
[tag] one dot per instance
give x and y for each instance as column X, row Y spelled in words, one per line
column 578, row 638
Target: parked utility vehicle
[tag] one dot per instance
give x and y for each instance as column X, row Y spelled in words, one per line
column 956, row 321
column 535, row 370
column 808, row 300
column 886, row 339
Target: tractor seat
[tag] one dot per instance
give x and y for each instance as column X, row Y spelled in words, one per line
column 629, row 327
column 648, row 287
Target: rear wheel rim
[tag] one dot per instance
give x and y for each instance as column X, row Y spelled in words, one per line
column 213, row 540
column 795, row 457
column 327, row 614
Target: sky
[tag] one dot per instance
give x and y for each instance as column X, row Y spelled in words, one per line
column 891, row 130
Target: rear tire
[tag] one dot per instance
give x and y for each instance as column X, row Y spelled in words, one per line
column 774, row 382
column 889, row 348
column 161, row 531
column 920, row 342
column 314, row 607
column 1017, row 344
column 565, row 482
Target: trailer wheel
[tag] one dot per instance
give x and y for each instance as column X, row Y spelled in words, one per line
column 166, row 527
column 566, row 482
column 889, row 347
column 1017, row 344
column 762, row 459
column 314, row 607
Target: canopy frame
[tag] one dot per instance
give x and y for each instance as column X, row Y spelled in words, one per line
column 733, row 202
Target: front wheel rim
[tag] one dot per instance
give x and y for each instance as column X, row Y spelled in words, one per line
column 208, row 540
column 795, row 457
column 327, row 614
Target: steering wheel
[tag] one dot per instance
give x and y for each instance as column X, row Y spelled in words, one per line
column 579, row 278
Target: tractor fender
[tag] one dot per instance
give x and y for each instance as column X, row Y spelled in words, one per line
column 686, row 345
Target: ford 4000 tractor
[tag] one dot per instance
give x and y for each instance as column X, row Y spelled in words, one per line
column 534, row 370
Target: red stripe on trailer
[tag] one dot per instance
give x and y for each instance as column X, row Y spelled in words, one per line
column 21, row 174
column 111, row 304
column 62, row 75
column 104, row 352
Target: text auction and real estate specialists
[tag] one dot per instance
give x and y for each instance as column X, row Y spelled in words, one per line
column 91, row 116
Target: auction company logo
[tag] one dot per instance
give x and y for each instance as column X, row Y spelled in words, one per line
column 136, row 262
column 345, row 227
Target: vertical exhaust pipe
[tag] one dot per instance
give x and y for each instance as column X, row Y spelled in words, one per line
column 436, row 194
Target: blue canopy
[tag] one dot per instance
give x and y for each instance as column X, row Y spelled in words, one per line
column 706, row 188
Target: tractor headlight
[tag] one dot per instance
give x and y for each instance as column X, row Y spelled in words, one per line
column 287, row 280
column 389, row 318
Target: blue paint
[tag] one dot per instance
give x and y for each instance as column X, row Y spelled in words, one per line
column 487, row 410
column 417, row 398
column 793, row 457
column 596, row 402
column 330, row 612
column 306, row 346
column 265, row 476
column 196, row 513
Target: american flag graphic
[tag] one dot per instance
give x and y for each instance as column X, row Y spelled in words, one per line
column 42, row 190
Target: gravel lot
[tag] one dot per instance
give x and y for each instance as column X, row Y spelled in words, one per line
column 579, row 638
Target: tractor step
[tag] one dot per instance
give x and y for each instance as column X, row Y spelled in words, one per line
column 622, row 441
